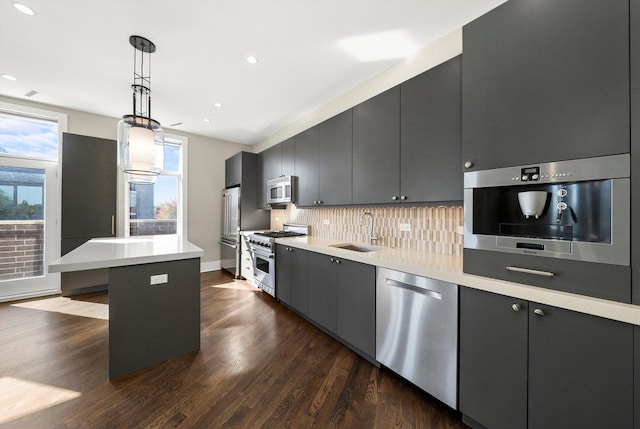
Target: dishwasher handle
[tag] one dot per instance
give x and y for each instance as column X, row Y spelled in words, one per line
column 428, row 292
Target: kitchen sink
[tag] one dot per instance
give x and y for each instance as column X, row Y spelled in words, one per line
column 355, row 247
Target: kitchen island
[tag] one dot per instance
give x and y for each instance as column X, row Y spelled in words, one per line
column 154, row 296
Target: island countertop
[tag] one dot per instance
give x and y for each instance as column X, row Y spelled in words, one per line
column 448, row 268
column 122, row 251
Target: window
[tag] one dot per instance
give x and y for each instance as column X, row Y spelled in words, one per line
column 159, row 208
column 29, row 239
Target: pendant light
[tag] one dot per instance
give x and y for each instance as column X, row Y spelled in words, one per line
column 141, row 138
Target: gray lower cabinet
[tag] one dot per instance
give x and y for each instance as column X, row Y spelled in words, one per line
column 546, row 80
column 292, row 280
column 431, row 135
column 342, row 300
column 527, row 365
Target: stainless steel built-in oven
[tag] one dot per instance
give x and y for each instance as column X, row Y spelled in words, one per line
column 561, row 225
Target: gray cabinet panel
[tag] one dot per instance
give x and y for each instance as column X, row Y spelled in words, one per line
column 306, row 167
column 376, row 149
column 288, row 157
column 292, row 280
column 431, row 135
column 580, row 370
column 150, row 324
column 89, row 183
column 233, row 170
column 269, row 166
column 335, row 144
column 635, row 152
column 322, row 291
column 356, row 305
column 546, row 80
column 493, row 359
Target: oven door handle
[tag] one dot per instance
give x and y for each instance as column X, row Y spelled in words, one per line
column 233, row 246
column 530, row 271
column 262, row 254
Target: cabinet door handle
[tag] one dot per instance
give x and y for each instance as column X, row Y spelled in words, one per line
column 337, row 261
column 468, row 164
column 530, row 271
column 332, row 260
column 394, row 198
column 113, row 224
column 516, row 307
column 538, row 312
column 403, row 197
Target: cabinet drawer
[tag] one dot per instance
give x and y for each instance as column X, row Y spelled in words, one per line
column 585, row 278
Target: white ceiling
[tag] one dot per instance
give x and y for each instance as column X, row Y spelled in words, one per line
column 76, row 54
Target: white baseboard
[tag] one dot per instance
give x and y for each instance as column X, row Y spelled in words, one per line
column 210, row 266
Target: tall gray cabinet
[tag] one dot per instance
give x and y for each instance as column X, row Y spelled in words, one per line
column 89, row 188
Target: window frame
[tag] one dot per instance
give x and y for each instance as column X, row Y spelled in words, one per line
column 123, row 227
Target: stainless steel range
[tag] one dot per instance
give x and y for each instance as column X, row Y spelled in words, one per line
column 262, row 247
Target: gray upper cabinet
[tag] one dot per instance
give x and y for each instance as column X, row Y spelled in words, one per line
column 524, row 364
column 335, row 143
column 89, row 184
column 546, row 80
column 268, row 166
column 233, row 171
column 323, row 162
column 287, row 165
column 431, row 135
column 376, row 149
column 306, row 167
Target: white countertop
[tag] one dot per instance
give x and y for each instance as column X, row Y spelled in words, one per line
column 122, row 251
column 449, row 269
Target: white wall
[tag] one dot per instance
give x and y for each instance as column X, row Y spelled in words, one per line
column 205, row 173
column 428, row 57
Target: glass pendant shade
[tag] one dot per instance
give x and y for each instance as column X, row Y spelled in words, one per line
column 140, row 149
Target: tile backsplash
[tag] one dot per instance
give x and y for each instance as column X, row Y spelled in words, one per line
column 435, row 229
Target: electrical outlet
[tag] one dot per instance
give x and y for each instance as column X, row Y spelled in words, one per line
column 277, row 219
column 159, row 279
column 461, row 230
column 405, row 227
column 326, row 222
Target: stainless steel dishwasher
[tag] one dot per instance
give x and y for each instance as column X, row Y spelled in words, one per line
column 417, row 331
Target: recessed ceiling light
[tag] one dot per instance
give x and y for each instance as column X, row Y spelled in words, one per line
column 9, row 77
column 252, row 60
column 206, row 120
column 23, row 8
column 218, row 104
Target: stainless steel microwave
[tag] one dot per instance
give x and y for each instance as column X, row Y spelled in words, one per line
column 281, row 190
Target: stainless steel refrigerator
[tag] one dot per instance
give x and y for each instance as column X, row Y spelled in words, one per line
column 239, row 213
column 230, row 242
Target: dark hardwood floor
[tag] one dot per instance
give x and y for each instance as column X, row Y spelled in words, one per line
column 260, row 365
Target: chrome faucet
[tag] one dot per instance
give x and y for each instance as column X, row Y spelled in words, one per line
column 372, row 237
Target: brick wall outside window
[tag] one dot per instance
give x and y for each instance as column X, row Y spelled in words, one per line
column 21, row 249
column 152, row 227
